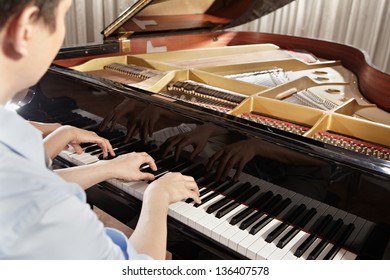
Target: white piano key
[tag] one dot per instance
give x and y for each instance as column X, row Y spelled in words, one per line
column 349, row 256
column 234, row 238
column 270, row 248
column 242, row 240
column 323, row 253
column 311, row 248
column 364, row 227
column 207, row 222
column 177, row 214
column 84, row 158
column 195, row 213
column 338, row 214
column 287, row 252
column 340, row 254
column 349, row 218
column 265, row 248
column 259, row 242
column 234, row 234
column 173, row 207
column 225, row 225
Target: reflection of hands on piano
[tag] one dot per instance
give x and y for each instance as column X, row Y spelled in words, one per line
column 238, row 154
column 120, row 111
column 197, row 138
column 234, row 155
column 144, row 123
column 69, row 135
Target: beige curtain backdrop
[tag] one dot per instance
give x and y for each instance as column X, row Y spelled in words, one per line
column 364, row 24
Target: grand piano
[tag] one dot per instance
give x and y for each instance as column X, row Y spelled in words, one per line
column 287, row 137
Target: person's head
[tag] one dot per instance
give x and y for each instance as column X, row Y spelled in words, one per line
column 31, row 33
column 9, row 9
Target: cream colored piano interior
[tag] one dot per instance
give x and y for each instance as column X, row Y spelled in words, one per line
column 288, row 90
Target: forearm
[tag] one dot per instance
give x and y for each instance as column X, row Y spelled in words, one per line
column 45, row 128
column 86, row 175
column 150, row 235
column 54, row 143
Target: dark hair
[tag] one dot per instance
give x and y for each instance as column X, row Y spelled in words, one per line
column 47, row 10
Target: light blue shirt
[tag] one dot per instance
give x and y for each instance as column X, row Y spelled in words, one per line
column 41, row 215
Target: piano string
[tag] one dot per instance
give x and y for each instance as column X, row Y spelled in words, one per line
column 353, row 144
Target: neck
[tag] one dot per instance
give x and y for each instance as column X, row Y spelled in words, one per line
column 6, row 87
column 11, row 80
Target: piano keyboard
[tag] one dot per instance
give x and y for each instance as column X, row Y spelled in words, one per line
column 255, row 218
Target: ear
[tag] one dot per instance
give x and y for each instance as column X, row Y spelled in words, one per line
column 20, row 30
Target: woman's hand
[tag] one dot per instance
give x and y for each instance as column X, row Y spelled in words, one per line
column 70, row 135
column 127, row 167
column 171, row 188
column 124, row 167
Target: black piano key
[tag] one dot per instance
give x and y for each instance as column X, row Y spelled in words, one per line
column 234, row 192
column 204, row 192
column 91, row 147
column 176, row 168
column 137, row 146
column 329, row 235
column 192, row 168
column 206, row 179
column 261, row 211
column 207, row 186
column 94, row 148
column 294, row 231
column 182, row 166
column 122, row 148
column 340, row 241
column 244, row 197
column 221, row 188
column 245, row 213
column 81, row 122
column 274, row 212
column 310, row 239
column 74, row 120
column 195, row 171
column 167, row 165
column 205, row 183
column 290, row 219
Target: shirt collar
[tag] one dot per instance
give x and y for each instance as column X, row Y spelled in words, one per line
column 20, row 136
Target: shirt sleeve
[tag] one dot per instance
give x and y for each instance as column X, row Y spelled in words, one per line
column 71, row 230
column 121, row 240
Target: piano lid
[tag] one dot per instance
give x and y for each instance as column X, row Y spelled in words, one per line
column 147, row 17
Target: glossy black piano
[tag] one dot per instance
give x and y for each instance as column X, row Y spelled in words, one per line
column 305, row 122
